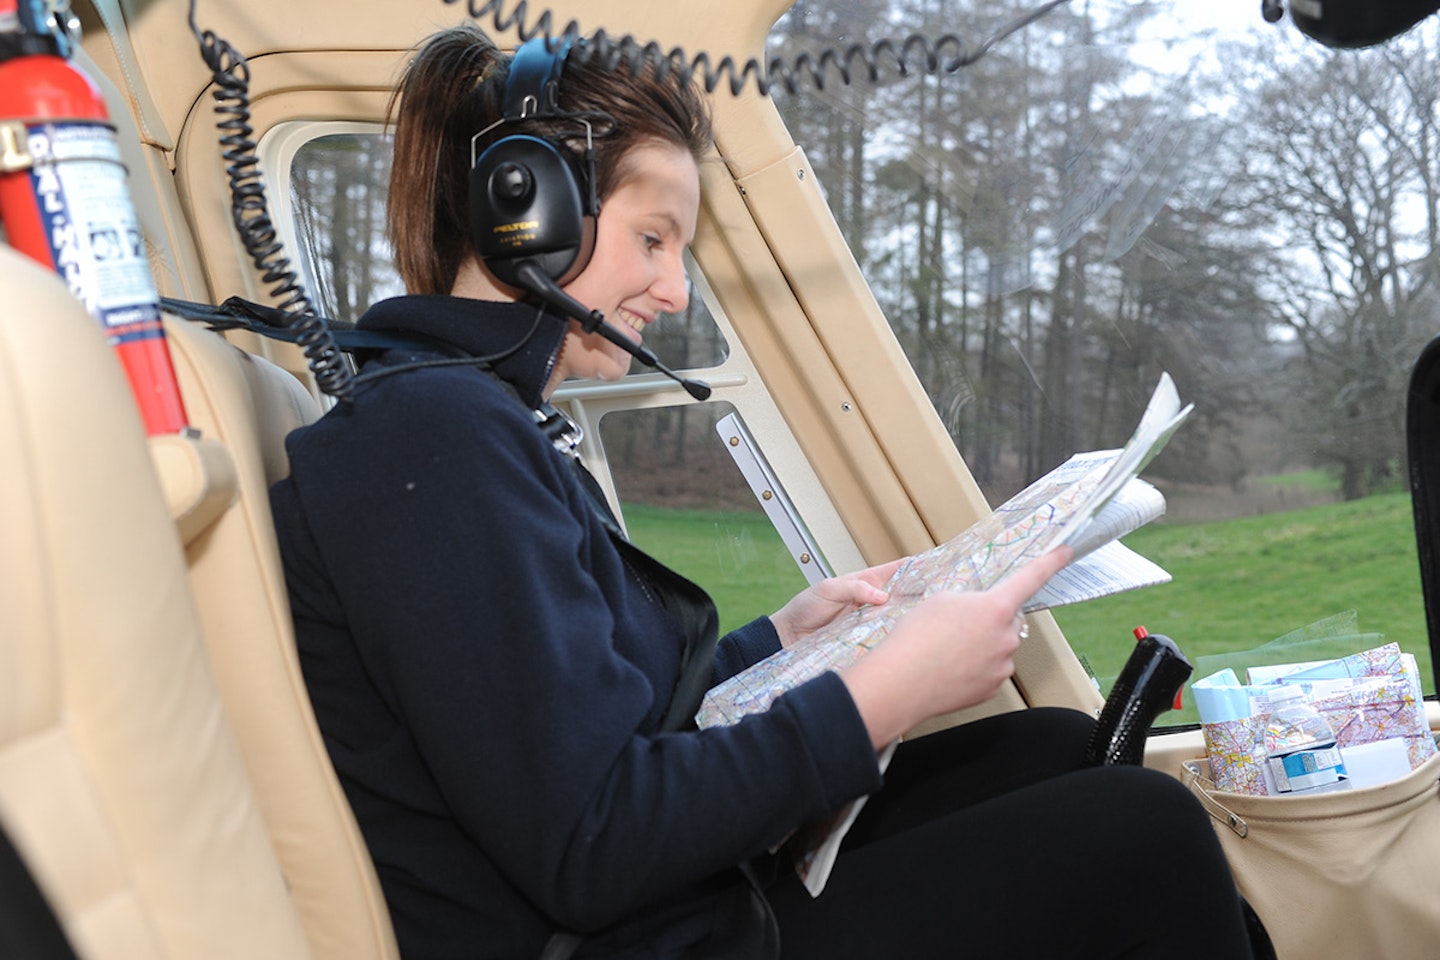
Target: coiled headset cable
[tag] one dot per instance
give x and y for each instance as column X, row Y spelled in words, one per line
column 250, row 210
column 251, row 214
column 947, row 54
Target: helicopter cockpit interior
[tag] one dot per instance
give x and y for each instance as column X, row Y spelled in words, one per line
column 942, row 246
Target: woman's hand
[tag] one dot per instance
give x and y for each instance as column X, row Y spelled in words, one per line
column 827, row 600
column 952, row 651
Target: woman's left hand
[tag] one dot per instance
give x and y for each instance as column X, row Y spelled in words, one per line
column 827, row 600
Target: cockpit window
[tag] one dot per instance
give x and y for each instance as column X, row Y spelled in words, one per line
column 685, row 501
column 338, row 184
column 1123, row 189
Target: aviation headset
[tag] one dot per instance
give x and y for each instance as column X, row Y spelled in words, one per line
column 532, row 199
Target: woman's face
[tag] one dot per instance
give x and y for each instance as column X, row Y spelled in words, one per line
column 637, row 271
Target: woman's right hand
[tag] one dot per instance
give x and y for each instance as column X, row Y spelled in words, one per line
column 952, row 651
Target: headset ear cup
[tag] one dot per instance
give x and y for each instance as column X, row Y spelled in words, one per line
column 582, row 258
column 526, row 204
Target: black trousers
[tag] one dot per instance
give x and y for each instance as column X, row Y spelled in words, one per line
column 990, row 840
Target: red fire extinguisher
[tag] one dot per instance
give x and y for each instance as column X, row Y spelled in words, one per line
column 65, row 201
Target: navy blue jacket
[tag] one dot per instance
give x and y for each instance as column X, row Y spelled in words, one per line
column 490, row 676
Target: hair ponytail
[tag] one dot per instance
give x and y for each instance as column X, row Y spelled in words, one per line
column 450, row 90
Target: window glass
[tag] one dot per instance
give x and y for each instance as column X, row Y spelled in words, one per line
column 1123, row 189
column 685, row 502
column 338, row 185
column 688, row 339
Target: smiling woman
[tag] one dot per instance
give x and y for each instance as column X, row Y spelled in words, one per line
column 638, row 269
column 500, row 672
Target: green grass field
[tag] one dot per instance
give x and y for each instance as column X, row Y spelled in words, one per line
column 736, row 556
column 1238, row 584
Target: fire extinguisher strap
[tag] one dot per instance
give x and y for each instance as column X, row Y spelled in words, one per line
column 22, row 44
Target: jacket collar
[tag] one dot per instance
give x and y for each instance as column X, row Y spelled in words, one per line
column 523, row 339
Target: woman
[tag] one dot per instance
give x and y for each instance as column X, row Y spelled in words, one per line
column 492, row 665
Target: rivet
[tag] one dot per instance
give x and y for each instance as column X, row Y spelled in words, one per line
column 734, row 441
column 800, row 174
column 845, row 407
column 804, row 558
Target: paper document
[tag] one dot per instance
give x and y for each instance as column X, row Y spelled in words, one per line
column 1088, row 502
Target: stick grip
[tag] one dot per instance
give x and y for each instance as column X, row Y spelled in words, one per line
column 1145, row 688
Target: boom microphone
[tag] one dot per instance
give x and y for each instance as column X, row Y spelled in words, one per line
column 532, row 277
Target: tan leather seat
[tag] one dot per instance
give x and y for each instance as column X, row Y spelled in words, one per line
column 217, row 491
column 121, row 782
column 249, row 405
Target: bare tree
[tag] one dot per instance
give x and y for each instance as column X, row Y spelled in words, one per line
column 1357, row 195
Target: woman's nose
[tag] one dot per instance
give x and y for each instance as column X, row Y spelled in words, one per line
column 672, row 287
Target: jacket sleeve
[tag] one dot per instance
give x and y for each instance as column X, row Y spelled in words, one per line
column 461, row 561
column 745, row 647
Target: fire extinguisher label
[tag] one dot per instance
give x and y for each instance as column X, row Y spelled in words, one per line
column 84, row 203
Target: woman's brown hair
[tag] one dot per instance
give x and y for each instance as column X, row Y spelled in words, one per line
column 455, row 87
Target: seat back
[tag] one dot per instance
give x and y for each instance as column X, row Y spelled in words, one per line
column 249, row 405
column 217, row 492
column 121, row 782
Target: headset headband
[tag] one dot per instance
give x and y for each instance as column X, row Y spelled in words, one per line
column 533, row 86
